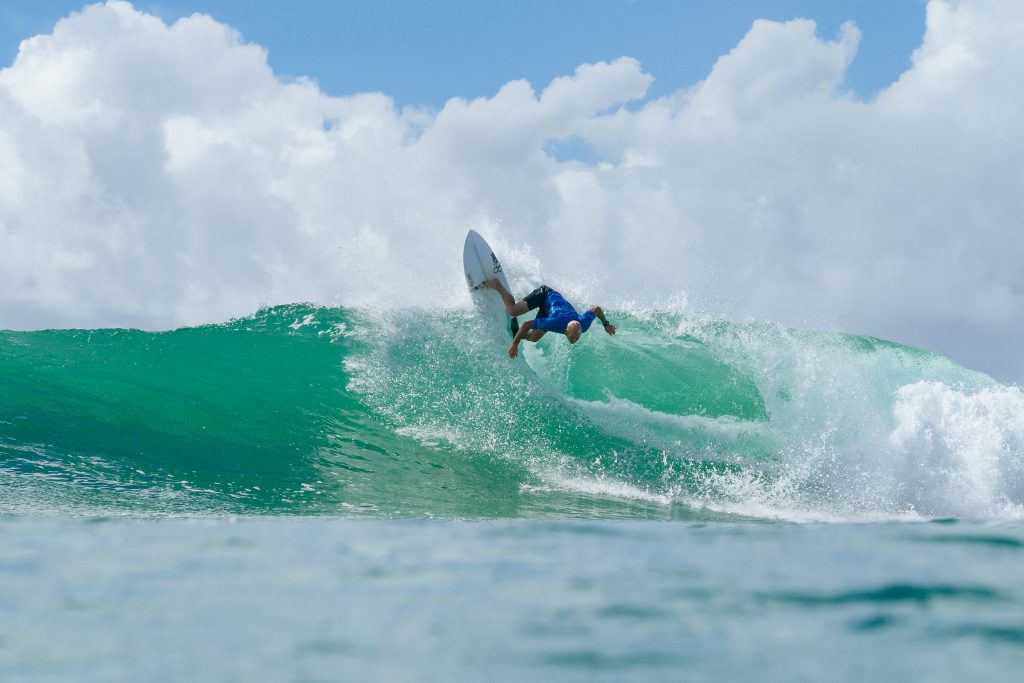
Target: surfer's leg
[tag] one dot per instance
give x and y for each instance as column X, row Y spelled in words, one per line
column 535, row 335
column 516, row 308
column 511, row 307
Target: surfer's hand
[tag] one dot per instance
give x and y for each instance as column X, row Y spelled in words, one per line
column 513, row 350
column 610, row 329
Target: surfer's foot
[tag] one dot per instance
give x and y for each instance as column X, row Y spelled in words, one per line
column 490, row 284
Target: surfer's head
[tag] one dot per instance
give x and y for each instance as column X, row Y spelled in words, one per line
column 573, row 331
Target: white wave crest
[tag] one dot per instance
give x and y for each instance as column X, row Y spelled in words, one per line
column 960, row 453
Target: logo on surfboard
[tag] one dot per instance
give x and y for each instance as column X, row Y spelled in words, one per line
column 497, row 266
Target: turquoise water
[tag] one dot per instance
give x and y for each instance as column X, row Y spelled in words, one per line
column 272, row 599
column 318, row 493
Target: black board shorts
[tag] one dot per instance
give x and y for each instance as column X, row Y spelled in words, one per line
column 538, row 299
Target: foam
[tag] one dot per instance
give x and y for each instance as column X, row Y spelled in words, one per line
column 960, row 450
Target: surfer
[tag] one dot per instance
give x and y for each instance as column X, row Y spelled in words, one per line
column 555, row 314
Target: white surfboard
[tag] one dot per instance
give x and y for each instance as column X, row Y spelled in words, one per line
column 480, row 265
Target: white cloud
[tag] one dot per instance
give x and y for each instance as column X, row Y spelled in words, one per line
column 160, row 175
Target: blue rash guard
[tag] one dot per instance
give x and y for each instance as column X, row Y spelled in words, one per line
column 560, row 313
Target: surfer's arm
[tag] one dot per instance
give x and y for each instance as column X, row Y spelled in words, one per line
column 608, row 327
column 523, row 330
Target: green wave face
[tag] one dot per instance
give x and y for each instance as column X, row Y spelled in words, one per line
column 307, row 410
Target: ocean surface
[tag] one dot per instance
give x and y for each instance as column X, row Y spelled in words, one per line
column 322, row 494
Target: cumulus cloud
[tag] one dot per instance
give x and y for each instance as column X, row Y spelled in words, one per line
column 157, row 175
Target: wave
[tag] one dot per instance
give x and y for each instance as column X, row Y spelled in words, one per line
column 302, row 409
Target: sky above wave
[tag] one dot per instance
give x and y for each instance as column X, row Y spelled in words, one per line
column 424, row 53
column 160, row 168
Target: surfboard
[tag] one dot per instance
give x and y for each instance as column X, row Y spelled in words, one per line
column 481, row 264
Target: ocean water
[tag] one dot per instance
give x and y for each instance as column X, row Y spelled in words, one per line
column 315, row 493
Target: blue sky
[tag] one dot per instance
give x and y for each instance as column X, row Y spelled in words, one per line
column 422, row 53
